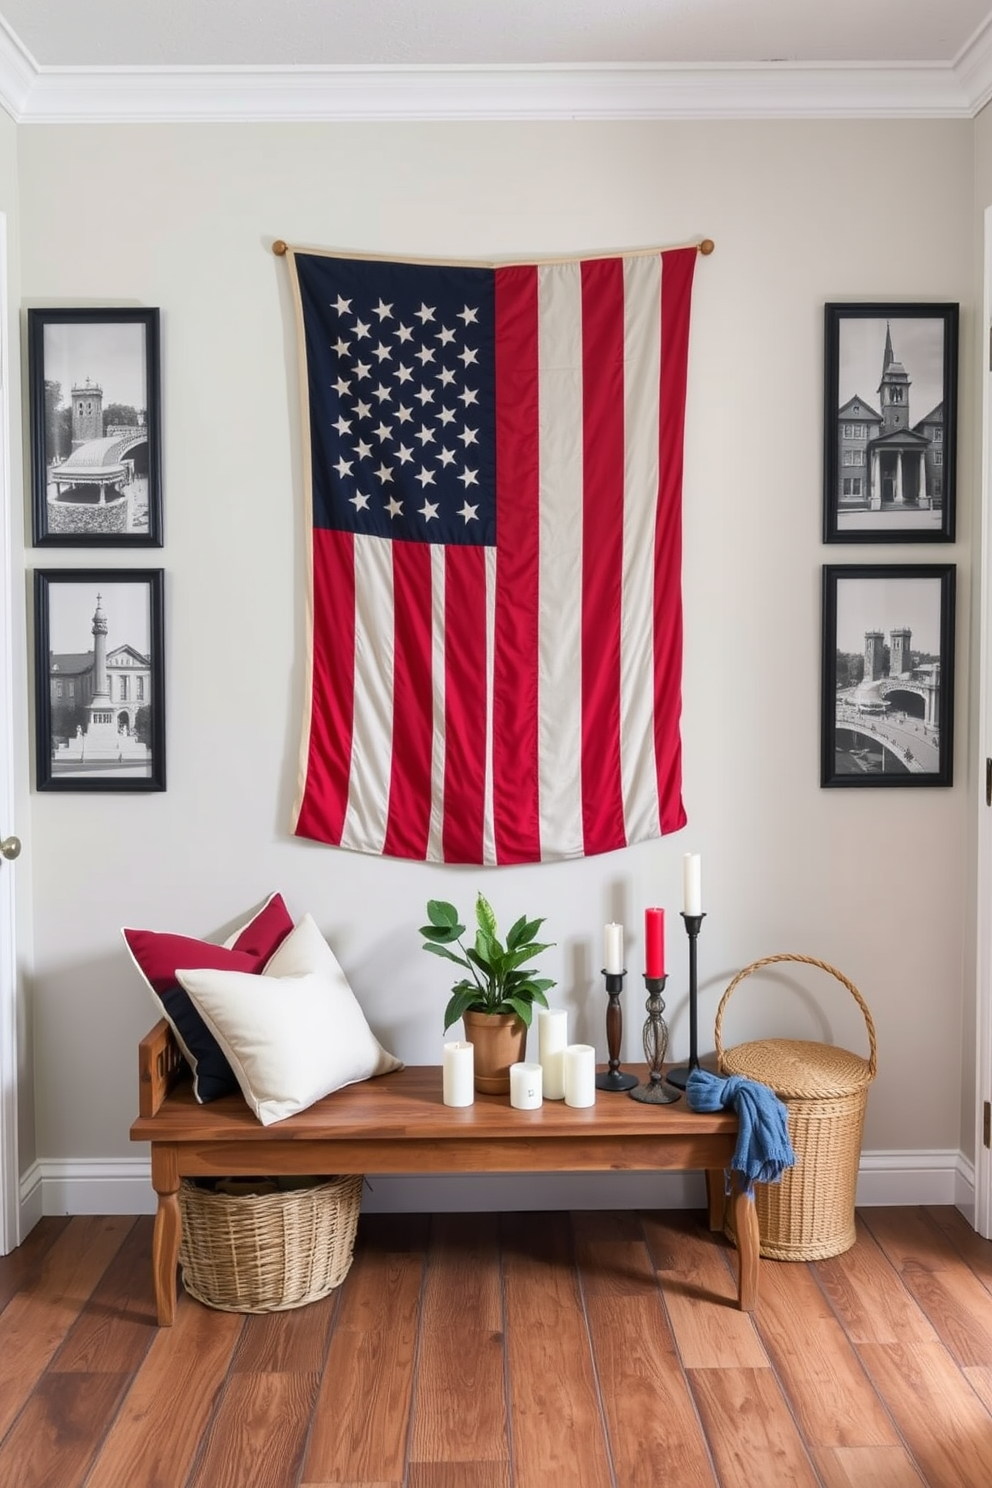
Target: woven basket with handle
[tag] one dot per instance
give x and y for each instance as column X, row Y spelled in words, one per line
column 266, row 1252
column 809, row 1215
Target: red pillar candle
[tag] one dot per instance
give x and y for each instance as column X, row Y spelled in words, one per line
column 654, row 942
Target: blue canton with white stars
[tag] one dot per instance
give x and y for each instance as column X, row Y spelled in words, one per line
column 400, row 362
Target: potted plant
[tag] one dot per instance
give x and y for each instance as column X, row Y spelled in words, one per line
column 496, row 1000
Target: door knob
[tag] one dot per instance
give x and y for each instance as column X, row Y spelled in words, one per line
column 10, row 847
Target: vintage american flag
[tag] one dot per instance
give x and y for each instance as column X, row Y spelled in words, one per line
column 493, row 458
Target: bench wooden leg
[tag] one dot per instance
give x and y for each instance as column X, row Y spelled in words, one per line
column 716, row 1197
column 167, row 1232
column 744, row 1218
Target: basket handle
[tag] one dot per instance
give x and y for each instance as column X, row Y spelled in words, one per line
column 808, row 961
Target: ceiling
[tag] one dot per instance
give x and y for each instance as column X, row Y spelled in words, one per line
column 347, row 33
column 144, row 59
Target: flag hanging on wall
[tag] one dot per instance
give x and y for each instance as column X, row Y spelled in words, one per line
column 493, row 463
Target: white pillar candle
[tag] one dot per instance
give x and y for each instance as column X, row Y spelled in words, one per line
column 579, row 1062
column 552, row 1036
column 614, row 949
column 525, row 1086
column 692, row 887
column 458, row 1075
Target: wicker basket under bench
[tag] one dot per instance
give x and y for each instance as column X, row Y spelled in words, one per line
column 398, row 1123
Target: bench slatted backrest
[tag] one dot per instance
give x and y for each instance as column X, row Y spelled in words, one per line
column 160, row 1067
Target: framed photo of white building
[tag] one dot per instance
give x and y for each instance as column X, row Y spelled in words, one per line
column 888, row 674
column 95, row 428
column 890, row 422
column 99, row 679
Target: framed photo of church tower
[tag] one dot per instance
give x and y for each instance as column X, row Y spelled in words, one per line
column 96, row 462
column 890, row 422
column 99, row 679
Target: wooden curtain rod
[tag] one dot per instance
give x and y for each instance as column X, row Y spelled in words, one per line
column 279, row 247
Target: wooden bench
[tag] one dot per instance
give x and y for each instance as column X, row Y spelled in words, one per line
column 399, row 1124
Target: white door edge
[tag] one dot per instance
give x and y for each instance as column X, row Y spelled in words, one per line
column 983, row 1072
column 10, row 1208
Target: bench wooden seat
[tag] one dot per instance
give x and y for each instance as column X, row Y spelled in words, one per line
column 398, row 1123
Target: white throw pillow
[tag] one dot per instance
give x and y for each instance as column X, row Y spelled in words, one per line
column 292, row 1044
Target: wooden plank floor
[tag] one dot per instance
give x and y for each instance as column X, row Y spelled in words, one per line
column 587, row 1350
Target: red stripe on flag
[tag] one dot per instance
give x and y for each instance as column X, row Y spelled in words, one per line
column 602, row 551
column 676, row 290
column 464, row 704
column 325, row 795
column 409, row 816
column 516, row 780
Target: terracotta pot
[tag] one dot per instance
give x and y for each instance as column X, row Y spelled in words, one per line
column 498, row 1041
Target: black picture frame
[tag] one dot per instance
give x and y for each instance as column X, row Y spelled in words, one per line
column 99, row 679
column 889, row 721
column 90, row 487
column 890, row 422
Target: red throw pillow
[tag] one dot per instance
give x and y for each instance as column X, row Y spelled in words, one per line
column 159, row 955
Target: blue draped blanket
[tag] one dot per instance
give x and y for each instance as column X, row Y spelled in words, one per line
column 763, row 1150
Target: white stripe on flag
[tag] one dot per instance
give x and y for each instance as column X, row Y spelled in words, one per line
column 560, row 568
column 435, row 848
column 372, row 735
column 642, row 386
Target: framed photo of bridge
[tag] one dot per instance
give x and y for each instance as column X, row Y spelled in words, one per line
column 93, row 378
column 888, row 674
column 890, row 422
column 99, row 673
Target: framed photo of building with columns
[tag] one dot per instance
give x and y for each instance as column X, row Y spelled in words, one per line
column 890, row 422
column 95, row 428
column 99, row 679
column 888, row 674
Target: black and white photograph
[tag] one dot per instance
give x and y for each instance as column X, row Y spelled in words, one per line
column 95, row 428
column 99, row 679
column 890, row 422
column 888, row 674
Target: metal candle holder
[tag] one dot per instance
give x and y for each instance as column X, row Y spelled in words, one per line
column 655, row 1047
column 614, row 1079
column 679, row 1077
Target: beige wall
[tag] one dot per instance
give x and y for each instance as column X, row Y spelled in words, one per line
column 875, row 882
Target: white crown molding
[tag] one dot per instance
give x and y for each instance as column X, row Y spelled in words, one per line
column 35, row 94
column 324, row 94
column 973, row 67
column 18, row 72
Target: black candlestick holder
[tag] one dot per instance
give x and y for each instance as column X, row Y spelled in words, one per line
column 653, row 1092
column 679, row 1077
column 614, row 1078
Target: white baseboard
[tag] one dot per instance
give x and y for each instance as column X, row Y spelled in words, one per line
column 123, row 1186
column 32, row 1201
column 890, row 1178
column 88, row 1186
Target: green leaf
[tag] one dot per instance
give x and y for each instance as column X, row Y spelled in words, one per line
column 493, row 952
column 441, row 913
column 443, row 935
column 440, row 950
column 463, row 998
column 481, row 961
column 517, row 958
column 523, row 930
column 515, row 932
column 523, row 1010
column 543, row 984
column 484, row 915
